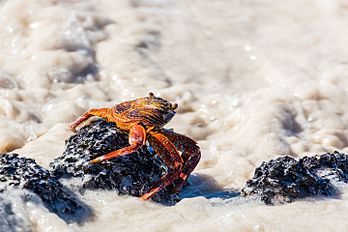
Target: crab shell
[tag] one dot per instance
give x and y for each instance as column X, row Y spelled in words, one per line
column 149, row 111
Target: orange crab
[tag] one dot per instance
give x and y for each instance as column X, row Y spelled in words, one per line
column 144, row 119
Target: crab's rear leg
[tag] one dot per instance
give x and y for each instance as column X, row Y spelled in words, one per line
column 137, row 138
column 99, row 112
column 191, row 154
column 169, row 154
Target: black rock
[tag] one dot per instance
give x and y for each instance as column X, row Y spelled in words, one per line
column 285, row 179
column 132, row 174
column 332, row 166
column 25, row 174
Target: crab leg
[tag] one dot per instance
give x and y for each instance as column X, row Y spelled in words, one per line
column 137, row 138
column 100, row 112
column 190, row 152
column 167, row 151
column 162, row 183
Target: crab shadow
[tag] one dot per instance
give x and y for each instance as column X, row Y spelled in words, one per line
column 200, row 185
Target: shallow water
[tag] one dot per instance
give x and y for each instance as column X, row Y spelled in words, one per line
column 254, row 80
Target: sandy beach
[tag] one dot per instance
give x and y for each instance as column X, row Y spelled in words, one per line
column 254, row 80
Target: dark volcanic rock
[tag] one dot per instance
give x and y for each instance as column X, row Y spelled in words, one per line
column 329, row 166
column 285, row 179
column 23, row 173
column 132, row 174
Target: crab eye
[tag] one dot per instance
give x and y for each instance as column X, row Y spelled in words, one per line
column 151, row 94
column 174, row 106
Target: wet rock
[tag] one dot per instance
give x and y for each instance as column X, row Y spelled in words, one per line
column 132, row 174
column 19, row 173
column 285, row 179
column 332, row 166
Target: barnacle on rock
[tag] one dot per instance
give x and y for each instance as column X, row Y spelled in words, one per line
column 132, row 174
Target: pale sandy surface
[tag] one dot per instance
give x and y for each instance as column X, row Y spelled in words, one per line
column 254, row 79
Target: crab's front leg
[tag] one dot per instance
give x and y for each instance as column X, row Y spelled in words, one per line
column 137, row 138
column 99, row 112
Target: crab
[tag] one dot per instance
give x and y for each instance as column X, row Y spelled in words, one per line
column 144, row 118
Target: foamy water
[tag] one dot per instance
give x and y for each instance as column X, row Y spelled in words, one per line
column 254, row 80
